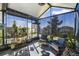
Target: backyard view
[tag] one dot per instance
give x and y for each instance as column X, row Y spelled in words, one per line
column 19, row 30
column 58, row 25
column 15, row 30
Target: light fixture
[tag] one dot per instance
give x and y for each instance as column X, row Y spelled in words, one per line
column 41, row 4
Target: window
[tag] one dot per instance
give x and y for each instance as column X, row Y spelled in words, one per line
column 67, row 24
column 58, row 25
column 77, row 25
column 29, row 28
column 54, row 11
column 77, row 22
column 45, row 26
column 77, row 8
column 34, row 29
column 16, row 29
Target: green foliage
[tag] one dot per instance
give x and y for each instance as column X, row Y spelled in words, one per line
column 18, row 32
column 14, row 26
column 54, row 25
column 46, row 30
column 15, row 29
column 23, row 31
column 70, row 43
column 50, row 37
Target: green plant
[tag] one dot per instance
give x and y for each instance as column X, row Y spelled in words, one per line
column 70, row 43
column 50, row 37
column 54, row 23
column 15, row 29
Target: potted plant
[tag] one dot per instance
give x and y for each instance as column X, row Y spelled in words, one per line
column 70, row 43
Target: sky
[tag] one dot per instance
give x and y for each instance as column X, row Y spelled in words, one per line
column 55, row 11
column 20, row 22
column 68, row 19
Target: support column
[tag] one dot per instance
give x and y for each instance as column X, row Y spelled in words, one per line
column 37, row 30
column 4, row 6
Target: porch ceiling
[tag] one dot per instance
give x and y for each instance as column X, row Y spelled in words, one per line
column 35, row 9
column 0, row 6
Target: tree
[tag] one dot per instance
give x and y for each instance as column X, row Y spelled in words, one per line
column 15, row 29
column 54, row 25
column 24, row 31
column 46, row 30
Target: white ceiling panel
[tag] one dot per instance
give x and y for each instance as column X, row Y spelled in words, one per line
column 33, row 9
column 69, row 5
column 0, row 6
